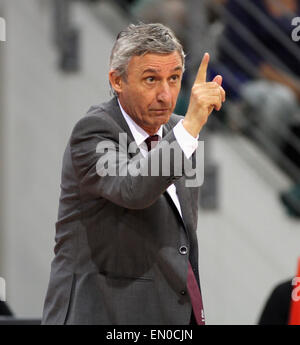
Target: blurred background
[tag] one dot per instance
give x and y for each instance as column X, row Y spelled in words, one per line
column 54, row 65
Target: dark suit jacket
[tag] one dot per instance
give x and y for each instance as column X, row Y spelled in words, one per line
column 277, row 308
column 118, row 238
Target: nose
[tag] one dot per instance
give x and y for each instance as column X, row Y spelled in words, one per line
column 164, row 94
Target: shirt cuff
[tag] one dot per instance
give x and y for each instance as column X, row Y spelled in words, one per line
column 186, row 141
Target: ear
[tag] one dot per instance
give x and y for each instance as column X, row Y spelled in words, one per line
column 115, row 80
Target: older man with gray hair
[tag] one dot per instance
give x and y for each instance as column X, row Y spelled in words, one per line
column 126, row 248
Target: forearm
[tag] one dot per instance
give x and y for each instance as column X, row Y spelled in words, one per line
column 281, row 77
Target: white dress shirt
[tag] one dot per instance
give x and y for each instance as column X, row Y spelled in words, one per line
column 186, row 141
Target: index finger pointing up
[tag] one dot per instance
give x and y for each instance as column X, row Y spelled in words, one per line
column 201, row 75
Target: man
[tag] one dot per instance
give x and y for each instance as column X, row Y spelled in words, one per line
column 126, row 242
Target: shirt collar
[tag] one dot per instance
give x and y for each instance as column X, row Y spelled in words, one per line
column 139, row 134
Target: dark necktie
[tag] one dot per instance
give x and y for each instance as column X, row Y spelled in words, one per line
column 151, row 139
column 192, row 285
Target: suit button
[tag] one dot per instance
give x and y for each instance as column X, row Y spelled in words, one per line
column 183, row 292
column 183, row 250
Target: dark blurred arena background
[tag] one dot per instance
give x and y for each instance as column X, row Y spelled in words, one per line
column 54, row 65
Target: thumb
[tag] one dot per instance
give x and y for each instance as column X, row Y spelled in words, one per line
column 218, row 79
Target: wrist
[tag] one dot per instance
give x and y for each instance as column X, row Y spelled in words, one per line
column 193, row 127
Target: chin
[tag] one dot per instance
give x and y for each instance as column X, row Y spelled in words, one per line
column 167, row 118
column 162, row 121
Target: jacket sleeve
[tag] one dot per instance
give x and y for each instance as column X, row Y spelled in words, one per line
column 106, row 168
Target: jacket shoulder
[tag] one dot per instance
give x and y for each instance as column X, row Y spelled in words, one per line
column 96, row 120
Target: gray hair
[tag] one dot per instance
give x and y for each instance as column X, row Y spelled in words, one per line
column 141, row 39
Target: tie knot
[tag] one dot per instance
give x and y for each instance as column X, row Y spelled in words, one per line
column 150, row 139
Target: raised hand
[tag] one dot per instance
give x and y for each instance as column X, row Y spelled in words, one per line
column 205, row 96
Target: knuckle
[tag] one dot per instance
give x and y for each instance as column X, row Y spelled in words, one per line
column 196, row 94
column 194, row 89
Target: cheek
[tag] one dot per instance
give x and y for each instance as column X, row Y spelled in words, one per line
column 145, row 100
column 136, row 99
column 175, row 94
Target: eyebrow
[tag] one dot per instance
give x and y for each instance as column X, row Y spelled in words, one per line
column 152, row 70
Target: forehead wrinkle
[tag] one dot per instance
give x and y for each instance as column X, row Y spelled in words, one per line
column 156, row 71
column 156, row 63
column 158, row 66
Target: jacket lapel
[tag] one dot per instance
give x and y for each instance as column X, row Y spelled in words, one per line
column 113, row 109
column 181, row 191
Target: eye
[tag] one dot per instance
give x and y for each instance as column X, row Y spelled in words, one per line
column 150, row 80
column 174, row 77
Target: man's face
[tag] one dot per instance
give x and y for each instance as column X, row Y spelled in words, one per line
column 150, row 91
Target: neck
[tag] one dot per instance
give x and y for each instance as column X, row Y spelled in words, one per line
column 148, row 129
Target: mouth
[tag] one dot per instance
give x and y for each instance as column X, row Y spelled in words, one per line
column 160, row 111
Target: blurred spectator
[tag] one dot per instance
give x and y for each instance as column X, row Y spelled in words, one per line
column 283, row 305
column 126, row 4
column 268, row 83
column 277, row 308
column 260, row 66
column 171, row 13
column 291, row 200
